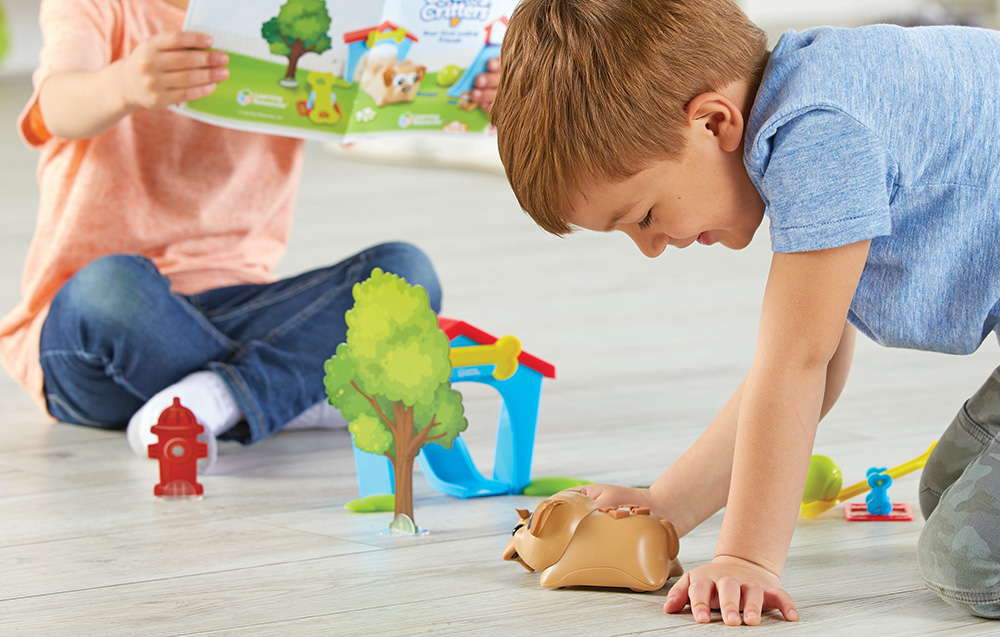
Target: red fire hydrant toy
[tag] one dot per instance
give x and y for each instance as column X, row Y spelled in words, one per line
column 178, row 451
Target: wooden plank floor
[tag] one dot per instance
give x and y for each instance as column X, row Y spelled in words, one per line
column 646, row 352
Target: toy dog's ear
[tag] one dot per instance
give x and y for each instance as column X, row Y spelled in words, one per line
column 421, row 70
column 387, row 76
column 542, row 514
column 673, row 544
column 524, row 514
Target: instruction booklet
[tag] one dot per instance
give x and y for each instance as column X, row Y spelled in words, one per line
column 344, row 70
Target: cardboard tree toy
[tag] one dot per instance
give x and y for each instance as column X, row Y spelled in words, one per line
column 300, row 27
column 390, row 379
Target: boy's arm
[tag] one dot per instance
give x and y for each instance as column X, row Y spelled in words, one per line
column 802, row 325
column 838, row 369
column 169, row 68
column 694, row 487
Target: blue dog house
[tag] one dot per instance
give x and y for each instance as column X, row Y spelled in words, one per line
column 452, row 471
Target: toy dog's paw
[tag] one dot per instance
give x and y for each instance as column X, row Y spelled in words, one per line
column 676, row 570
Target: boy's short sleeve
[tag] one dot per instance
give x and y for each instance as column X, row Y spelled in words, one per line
column 77, row 35
column 827, row 183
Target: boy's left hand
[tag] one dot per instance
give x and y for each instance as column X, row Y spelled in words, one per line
column 485, row 90
column 730, row 584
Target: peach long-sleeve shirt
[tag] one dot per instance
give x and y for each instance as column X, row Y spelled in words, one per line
column 210, row 206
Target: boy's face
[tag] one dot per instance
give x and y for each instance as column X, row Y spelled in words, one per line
column 704, row 196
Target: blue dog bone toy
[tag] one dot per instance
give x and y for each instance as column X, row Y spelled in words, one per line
column 878, row 499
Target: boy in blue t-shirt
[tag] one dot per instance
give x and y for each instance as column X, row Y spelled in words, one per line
column 874, row 154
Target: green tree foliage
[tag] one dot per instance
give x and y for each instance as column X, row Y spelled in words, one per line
column 300, row 27
column 390, row 379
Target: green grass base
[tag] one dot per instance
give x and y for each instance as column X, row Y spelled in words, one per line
column 373, row 504
column 550, row 486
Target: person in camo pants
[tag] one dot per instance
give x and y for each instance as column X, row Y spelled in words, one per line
column 959, row 548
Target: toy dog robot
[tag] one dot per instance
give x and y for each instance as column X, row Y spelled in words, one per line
column 575, row 543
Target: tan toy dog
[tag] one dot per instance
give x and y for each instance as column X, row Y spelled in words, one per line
column 572, row 542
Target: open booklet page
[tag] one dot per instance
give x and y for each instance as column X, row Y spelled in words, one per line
column 346, row 70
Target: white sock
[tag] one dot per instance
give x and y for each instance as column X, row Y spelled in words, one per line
column 322, row 415
column 204, row 393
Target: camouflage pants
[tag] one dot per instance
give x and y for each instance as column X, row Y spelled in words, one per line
column 959, row 547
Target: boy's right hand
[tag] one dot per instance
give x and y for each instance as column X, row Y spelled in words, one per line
column 171, row 68
column 611, row 496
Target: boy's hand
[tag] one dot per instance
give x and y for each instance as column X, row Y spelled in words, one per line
column 610, row 496
column 171, row 68
column 485, row 90
column 730, row 584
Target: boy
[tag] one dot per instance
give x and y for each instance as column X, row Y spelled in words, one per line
column 873, row 152
column 150, row 272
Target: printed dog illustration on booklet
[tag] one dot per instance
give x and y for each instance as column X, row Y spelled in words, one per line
column 385, row 79
column 573, row 542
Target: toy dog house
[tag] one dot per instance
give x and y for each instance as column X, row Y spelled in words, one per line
column 452, row 471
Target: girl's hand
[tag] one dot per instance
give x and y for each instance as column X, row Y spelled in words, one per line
column 484, row 89
column 730, row 584
column 171, row 68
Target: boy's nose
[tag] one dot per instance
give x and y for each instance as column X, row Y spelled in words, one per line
column 652, row 246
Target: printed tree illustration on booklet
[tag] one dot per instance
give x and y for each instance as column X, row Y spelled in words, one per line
column 390, row 380
column 300, row 27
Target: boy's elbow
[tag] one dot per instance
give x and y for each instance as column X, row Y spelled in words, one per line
column 51, row 112
column 798, row 357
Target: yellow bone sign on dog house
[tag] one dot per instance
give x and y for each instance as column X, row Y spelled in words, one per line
column 502, row 355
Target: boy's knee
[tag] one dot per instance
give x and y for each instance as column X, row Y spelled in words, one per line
column 959, row 547
column 108, row 288
column 411, row 263
column 960, row 565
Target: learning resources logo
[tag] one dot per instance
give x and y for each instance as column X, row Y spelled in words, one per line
column 246, row 97
column 454, row 11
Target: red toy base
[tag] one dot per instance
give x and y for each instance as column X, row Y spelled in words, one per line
column 858, row 512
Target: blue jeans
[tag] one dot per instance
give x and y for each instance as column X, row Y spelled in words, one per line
column 116, row 335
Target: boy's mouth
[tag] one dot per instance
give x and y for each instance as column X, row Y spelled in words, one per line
column 703, row 239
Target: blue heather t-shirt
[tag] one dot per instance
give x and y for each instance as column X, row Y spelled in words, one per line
column 893, row 135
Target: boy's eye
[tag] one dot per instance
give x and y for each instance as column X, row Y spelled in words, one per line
column 648, row 219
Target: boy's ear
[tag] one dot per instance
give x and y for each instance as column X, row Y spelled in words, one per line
column 720, row 116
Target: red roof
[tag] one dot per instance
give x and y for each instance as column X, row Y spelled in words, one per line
column 454, row 327
column 361, row 34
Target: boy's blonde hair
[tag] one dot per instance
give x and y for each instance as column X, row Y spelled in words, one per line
column 597, row 89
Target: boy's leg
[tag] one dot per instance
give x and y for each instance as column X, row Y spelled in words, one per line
column 959, row 547
column 974, row 427
column 288, row 329
column 115, row 335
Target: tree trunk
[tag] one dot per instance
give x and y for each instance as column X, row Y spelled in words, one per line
column 297, row 50
column 403, row 464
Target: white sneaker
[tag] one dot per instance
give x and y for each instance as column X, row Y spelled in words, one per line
column 322, row 415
